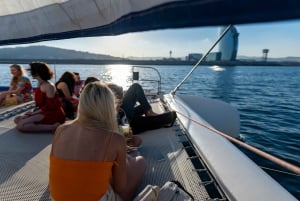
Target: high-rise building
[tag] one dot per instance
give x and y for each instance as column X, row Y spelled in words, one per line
column 194, row 56
column 228, row 46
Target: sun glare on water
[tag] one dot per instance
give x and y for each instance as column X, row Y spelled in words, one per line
column 217, row 68
column 121, row 75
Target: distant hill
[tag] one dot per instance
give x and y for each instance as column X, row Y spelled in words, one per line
column 49, row 53
column 53, row 54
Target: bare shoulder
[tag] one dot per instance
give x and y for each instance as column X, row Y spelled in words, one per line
column 49, row 89
column 61, row 85
column 119, row 140
column 62, row 128
column 118, row 136
column 67, row 124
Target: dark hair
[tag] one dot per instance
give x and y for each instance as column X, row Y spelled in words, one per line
column 116, row 89
column 41, row 69
column 69, row 79
column 87, row 81
column 90, row 79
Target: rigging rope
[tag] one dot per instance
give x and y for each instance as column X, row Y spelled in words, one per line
column 279, row 171
column 270, row 157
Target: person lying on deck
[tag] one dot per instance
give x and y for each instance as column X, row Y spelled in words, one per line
column 20, row 89
column 49, row 113
column 140, row 117
column 88, row 159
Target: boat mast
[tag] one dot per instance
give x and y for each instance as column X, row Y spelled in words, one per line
column 201, row 59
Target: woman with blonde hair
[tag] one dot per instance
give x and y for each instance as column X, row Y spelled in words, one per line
column 88, row 160
column 20, row 89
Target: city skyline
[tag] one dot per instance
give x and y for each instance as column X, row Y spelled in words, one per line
column 281, row 38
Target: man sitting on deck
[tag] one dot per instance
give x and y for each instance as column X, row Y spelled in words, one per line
column 140, row 117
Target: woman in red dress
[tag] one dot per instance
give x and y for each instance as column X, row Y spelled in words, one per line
column 49, row 114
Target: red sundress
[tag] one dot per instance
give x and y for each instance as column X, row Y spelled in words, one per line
column 51, row 108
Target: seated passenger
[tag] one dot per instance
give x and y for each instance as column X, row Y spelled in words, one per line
column 49, row 114
column 88, row 80
column 88, row 160
column 78, row 84
column 65, row 88
column 140, row 117
column 20, row 89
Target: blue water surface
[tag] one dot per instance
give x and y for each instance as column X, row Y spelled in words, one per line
column 268, row 99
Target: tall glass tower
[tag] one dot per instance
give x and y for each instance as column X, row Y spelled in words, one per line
column 228, row 46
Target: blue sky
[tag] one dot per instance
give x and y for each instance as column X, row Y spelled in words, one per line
column 281, row 38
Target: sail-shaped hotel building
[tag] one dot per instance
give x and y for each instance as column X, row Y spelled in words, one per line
column 228, row 46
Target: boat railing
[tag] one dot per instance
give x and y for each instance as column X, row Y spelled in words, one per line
column 149, row 77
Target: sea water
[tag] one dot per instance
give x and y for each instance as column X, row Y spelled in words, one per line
column 267, row 97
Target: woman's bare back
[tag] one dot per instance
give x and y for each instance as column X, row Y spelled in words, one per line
column 75, row 142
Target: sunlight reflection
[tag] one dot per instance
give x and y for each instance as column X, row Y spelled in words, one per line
column 120, row 74
column 217, row 68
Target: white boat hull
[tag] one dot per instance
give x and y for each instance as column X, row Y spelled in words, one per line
column 238, row 176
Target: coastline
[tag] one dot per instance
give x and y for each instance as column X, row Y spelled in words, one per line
column 153, row 62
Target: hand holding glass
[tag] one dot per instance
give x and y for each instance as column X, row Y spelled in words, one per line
column 125, row 130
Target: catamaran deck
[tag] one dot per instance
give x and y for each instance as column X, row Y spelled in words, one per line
column 24, row 160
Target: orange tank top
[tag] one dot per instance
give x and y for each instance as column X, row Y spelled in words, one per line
column 79, row 180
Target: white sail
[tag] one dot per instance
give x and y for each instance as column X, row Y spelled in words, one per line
column 25, row 21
